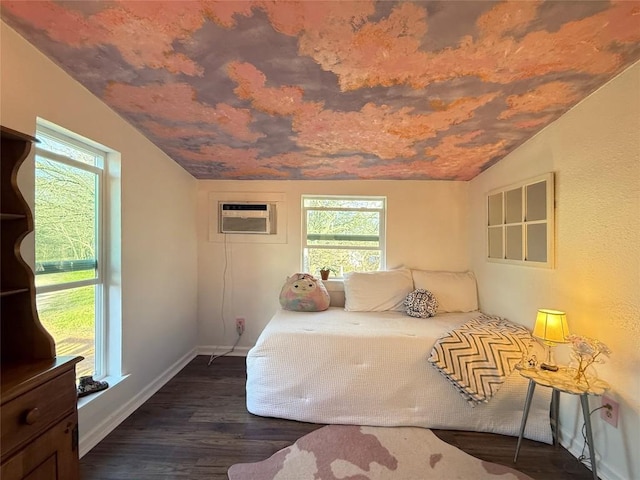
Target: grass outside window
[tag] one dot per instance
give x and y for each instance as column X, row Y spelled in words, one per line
column 69, row 316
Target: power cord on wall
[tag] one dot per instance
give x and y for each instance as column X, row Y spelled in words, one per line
column 213, row 356
column 583, row 458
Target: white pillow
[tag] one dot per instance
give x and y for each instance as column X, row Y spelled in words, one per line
column 377, row 291
column 455, row 291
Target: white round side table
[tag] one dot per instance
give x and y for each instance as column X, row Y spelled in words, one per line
column 563, row 380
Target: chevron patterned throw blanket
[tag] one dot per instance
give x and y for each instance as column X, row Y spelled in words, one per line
column 478, row 356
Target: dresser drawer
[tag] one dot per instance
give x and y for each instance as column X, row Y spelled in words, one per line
column 29, row 414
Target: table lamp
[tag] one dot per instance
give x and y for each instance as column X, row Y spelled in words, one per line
column 551, row 327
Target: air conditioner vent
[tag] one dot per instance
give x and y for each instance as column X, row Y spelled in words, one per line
column 246, row 218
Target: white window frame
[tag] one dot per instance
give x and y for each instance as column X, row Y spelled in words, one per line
column 382, row 245
column 500, row 228
column 100, row 333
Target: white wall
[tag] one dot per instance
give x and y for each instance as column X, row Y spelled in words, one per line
column 158, row 211
column 427, row 227
column 595, row 152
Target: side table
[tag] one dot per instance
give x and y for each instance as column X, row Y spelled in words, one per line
column 562, row 380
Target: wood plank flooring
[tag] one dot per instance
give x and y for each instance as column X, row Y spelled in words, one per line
column 197, row 426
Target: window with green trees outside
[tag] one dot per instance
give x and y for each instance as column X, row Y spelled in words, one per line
column 68, row 236
column 343, row 233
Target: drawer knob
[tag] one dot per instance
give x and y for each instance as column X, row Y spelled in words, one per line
column 32, row 416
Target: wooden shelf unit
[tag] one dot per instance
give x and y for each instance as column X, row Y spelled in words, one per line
column 38, row 401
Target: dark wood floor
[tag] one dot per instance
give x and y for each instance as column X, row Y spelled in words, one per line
column 197, row 426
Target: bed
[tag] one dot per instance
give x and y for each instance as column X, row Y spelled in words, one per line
column 341, row 366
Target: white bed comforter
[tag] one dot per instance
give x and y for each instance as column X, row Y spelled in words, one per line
column 371, row 368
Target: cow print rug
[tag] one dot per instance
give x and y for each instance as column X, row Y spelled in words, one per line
column 372, row 453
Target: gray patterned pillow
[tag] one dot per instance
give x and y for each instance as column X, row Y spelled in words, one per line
column 421, row 303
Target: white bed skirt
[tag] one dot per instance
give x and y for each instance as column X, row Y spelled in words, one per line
column 371, row 368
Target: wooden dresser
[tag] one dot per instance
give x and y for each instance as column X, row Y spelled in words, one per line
column 38, row 413
column 39, row 421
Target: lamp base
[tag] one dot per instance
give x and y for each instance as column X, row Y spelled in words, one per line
column 551, row 368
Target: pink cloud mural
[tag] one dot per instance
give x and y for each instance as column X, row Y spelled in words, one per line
column 177, row 103
column 143, row 32
column 539, row 99
column 452, row 147
column 380, row 130
column 336, row 89
column 285, row 100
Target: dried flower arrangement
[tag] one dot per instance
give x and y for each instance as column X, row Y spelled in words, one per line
column 586, row 351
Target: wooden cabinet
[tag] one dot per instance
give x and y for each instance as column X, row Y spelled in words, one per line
column 38, row 414
column 39, row 421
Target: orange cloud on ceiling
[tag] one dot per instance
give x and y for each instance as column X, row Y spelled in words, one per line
column 336, row 89
column 177, row 102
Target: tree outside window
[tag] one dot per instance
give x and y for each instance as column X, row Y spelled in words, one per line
column 68, row 239
column 343, row 233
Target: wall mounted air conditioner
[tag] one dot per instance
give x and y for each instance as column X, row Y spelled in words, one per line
column 245, row 217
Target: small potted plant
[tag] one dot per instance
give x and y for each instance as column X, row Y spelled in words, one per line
column 324, row 272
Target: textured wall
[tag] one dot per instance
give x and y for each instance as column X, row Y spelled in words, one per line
column 595, row 152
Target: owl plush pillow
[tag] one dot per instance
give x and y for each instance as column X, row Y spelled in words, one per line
column 304, row 293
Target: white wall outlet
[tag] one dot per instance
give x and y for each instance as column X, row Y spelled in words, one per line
column 610, row 411
column 240, row 325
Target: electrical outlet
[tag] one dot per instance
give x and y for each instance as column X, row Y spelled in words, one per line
column 610, row 411
column 240, row 325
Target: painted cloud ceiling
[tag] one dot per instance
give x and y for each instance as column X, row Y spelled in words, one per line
column 335, row 89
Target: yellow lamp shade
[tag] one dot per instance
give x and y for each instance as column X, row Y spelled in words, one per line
column 551, row 326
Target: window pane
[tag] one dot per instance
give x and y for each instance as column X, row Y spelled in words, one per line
column 343, row 240
column 495, row 209
column 537, row 242
column 69, row 316
column 514, row 242
column 353, row 228
column 495, row 242
column 56, row 278
column 343, row 233
column 343, row 203
column 65, row 218
column 513, row 201
column 69, row 150
column 342, row 260
column 537, row 201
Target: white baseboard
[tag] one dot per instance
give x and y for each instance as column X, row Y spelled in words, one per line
column 575, row 446
column 92, row 438
column 217, row 350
